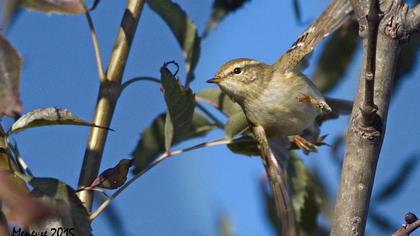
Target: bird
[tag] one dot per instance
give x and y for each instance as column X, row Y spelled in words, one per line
column 279, row 97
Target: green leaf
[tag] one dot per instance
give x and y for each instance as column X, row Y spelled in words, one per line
column 47, row 116
column 381, row 221
column 219, row 100
column 111, row 214
column 298, row 182
column 10, row 67
column 309, row 213
column 297, row 10
column 336, row 56
column 305, row 194
column 222, row 8
column 181, row 103
column 114, row 177
column 269, row 205
column 397, row 182
column 245, row 145
column 324, row 201
column 236, row 124
column 184, row 30
column 72, row 7
column 152, row 141
column 61, row 196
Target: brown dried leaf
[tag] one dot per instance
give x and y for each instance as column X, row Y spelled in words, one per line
column 70, row 7
column 114, row 177
column 10, row 67
column 23, row 208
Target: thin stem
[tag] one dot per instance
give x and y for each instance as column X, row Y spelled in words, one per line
column 109, row 92
column 98, row 56
column 161, row 158
column 137, row 79
column 209, row 115
column 20, row 161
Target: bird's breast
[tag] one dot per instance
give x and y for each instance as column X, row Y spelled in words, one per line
column 278, row 110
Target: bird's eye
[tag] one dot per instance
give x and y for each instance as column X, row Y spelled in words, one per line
column 237, row 70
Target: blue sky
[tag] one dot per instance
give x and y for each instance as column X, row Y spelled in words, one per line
column 187, row 194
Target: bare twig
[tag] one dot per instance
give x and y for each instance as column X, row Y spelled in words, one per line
column 109, row 92
column 161, row 158
column 278, row 181
column 412, row 223
column 369, row 108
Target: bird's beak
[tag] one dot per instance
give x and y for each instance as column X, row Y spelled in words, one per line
column 214, row 80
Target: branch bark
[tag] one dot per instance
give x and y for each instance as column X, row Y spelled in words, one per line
column 278, row 181
column 364, row 139
column 412, row 223
column 109, row 92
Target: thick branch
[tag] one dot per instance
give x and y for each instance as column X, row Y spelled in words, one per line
column 278, row 181
column 107, row 98
column 364, row 143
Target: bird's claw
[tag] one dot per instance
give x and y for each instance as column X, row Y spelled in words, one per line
column 306, row 146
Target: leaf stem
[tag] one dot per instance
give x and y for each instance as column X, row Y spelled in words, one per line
column 20, row 161
column 161, row 158
column 209, row 115
column 137, row 79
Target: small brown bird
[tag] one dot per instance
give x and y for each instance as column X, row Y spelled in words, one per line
column 284, row 104
column 279, row 97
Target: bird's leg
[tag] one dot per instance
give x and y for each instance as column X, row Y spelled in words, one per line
column 306, row 146
column 323, row 106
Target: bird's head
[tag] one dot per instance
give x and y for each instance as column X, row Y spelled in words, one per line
column 242, row 78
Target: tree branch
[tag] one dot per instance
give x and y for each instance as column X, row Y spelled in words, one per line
column 369, row 108
column 158, row 160
column 278, row 181
column 364, row 139
column 412, row 223
column 109, row 91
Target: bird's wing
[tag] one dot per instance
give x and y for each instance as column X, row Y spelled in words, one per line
column 330, row 20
